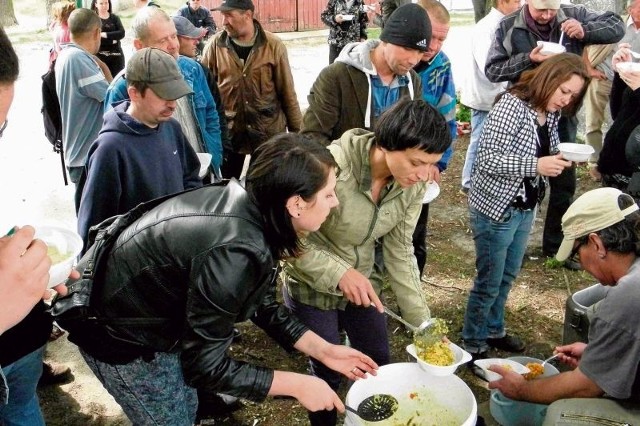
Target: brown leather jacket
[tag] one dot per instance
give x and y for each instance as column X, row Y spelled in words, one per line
column 259, row 97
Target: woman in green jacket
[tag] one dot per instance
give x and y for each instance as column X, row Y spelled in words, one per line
column 380, row 186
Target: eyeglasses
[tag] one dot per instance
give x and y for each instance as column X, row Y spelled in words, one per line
column 4, row 126
column 575, row 252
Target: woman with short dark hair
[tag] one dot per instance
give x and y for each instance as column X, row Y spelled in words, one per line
column 197, row 264
column 518, row 148
column 381, row 184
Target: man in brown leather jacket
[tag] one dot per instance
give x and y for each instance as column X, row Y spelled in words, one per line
column 255, row 81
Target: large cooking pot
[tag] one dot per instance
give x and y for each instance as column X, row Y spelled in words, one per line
column 509, row 412
column 427, row 399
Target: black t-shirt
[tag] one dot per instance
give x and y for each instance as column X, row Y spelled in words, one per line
column 532, row 189
column 242, row 51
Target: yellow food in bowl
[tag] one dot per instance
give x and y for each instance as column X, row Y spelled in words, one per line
column 56, row 255
column 535, row 370
column 438, row 353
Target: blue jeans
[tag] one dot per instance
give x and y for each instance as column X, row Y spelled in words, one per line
column 150, row 393
column 22, row 377
column 477, row 122
column 367, row 332
column 500, row 247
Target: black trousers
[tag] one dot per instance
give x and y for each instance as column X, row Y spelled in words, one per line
column 561, row 191
column 334, row 51
column 420, row 238
column 232, row 165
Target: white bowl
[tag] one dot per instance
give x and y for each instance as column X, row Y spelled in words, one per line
column 628, row 66
column 491, row 376
column 433, row 396
column 507, row 411
column 460, row 357
column 432, row 192
column 67, row 243
column 549, row 48
column 577, row 152
column 205, row 161
column 348, row 17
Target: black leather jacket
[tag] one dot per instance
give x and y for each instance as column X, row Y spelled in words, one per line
column 200, row 261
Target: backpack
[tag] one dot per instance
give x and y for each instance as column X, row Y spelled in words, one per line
column 51, row 115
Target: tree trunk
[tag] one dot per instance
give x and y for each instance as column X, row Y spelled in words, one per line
column 7, row 15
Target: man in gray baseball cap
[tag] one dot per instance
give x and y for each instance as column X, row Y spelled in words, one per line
column 141, row 152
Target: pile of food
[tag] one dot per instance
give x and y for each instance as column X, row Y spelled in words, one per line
column 430, row 346
column 535, row 370
column 56, row 255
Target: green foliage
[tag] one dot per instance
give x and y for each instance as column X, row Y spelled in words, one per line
column 463, row 112
column 553, row 263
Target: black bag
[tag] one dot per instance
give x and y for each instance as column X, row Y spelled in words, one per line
column 52, row 116
column 75, row 312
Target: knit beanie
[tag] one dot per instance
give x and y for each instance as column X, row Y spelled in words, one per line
column 408, row 26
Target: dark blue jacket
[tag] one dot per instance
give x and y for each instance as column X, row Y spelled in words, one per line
column 131, row 163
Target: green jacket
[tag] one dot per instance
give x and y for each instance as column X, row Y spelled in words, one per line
column 340, row 98
column 347, row 238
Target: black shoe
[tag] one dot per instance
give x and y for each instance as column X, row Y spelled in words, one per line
column 237, row 335
column 572, row 265
column 507, row 343
column 215, row 406
column 55, row 374
column 477, row 371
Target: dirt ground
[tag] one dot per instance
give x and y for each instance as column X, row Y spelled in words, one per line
column 535, row 311
column 535, row 308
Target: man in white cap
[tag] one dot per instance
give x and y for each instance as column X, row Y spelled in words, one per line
column 515, row 50
column 602, row 228
column 141, row 152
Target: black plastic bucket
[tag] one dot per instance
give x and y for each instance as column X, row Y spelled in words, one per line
column 576, row 318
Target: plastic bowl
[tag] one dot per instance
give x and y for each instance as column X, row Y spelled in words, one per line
column 432, row 192
column 433, row 395
column 549, row 48
column 577, row 152
column 348, row 17
column 506, row 411
column 205, row 161
column 628, row 66
column 460, row 356
column 66, row 242
column 491, row 376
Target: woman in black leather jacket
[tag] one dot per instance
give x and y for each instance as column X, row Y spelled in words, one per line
column 183, row 274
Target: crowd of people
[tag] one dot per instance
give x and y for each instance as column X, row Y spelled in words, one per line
column 331, row 202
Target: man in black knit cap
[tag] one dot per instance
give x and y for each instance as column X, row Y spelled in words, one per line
column 369, row 77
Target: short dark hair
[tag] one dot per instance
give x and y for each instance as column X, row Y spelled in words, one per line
column 287, row 165
column 9, row 65
column 623, row 237
column 538, row 85
column 412, row 124
column 140, row 86
column 83, row 21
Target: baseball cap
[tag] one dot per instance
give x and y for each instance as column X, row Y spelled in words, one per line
column 185, row 28
column 160, row 71
column 228, row 5
column 545, row 4
column 408, row 26
column 591, row 212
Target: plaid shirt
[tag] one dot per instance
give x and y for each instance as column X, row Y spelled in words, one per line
column 507, row 154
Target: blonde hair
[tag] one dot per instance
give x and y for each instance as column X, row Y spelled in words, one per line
column 61, row 10
column 436, row 10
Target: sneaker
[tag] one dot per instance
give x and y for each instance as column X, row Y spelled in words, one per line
column 217, row 406
column 595, row 175
column 507, row 343
column 54, row 374
column 477, row 371
column 464, row 190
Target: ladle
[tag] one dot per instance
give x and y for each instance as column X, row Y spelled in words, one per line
column 375, row 408
column 561, row 37
column 410, row 326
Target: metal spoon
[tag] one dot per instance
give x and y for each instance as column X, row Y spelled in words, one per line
column 561, row 37
column 410, row 326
